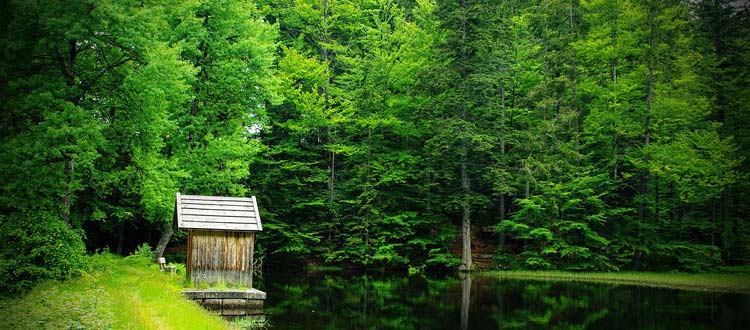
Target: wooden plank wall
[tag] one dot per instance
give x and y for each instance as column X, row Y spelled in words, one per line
column 221, row 256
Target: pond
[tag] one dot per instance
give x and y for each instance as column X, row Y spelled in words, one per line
column 335, row 301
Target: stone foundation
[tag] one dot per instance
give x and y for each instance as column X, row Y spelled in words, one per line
column 231, row 302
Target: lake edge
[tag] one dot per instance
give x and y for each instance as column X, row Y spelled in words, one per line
column 711, row 282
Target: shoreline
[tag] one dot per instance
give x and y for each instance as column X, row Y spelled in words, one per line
column 710, row 282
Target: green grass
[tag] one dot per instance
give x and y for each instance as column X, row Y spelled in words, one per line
column 736, row 283
column 118, row 293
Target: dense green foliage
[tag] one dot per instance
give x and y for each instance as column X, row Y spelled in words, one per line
column 37, row 246
column 581, row 135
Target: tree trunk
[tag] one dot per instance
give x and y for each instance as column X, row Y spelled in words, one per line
column 331, row 194
column 642, row 207
column 502, row 150
column 70, row 163
column 166, row 235
column 465, row 222
column 657, row 200
column 713, row 223
column 501, row 198
column 727, row 228
column 69, row 166
column 527, row 188
column 613, row 40
column 329, row 136
column 466, row 207
column 672, row 208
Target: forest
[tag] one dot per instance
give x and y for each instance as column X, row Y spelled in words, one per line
column 577, row 135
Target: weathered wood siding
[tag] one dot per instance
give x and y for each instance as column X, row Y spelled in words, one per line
column 221, row 256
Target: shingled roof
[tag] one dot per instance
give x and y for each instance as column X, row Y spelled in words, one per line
column 217, row 213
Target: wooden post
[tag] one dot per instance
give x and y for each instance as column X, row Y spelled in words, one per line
column 190, row 253
column 252, row 259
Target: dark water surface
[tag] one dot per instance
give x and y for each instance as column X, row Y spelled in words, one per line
column 334, row 301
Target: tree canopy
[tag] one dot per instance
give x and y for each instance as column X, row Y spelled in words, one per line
column 549, row 134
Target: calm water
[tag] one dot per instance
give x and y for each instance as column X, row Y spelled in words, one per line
column 328, row 301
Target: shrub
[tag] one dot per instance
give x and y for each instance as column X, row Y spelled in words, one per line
column 142, row 256
column 684, row 257
column 37, row 246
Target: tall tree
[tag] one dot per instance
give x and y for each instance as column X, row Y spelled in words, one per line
column 232, row 51
column 722, row 27
column 86, row 116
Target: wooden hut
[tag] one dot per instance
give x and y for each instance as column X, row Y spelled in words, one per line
column 221, row 237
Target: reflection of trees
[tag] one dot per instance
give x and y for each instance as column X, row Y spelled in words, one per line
column 318, row 301
column 360, row 302
column 367, row 302
column 565, row 305
column 530, row 305
column 633, row 307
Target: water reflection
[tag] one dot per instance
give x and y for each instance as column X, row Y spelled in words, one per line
column 465, row 299
column 328, row 301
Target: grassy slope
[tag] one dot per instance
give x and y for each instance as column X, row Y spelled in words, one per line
column 118, row 294
column 737, row 283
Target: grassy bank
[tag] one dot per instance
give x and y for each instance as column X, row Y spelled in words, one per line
column 117, row 293
column 735, row 283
